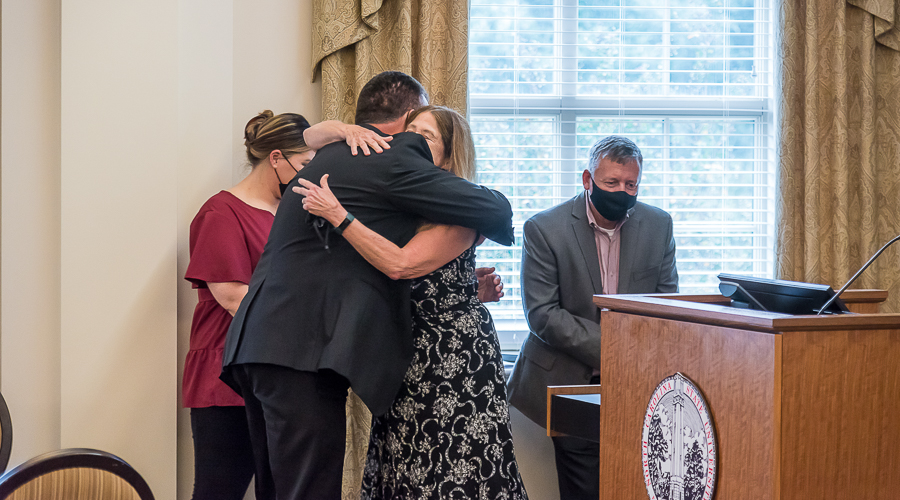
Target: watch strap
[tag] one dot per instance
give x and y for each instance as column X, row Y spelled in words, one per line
column 344, row 223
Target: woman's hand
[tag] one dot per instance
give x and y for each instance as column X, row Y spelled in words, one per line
column 324, row 133
column 490, row 285
column 320, row 201
column 362, row 138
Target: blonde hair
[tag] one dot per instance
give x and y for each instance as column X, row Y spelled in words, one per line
column 267, row 132
column 459, row 148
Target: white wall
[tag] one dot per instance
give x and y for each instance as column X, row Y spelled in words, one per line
column 117, row 121
column 237, row 58
column 30, row 234
column 206, row 136
column 534, row 455
column 118, row 231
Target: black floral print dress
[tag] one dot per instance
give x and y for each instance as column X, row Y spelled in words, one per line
column 447, row 434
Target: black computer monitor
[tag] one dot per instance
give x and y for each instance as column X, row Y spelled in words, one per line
column 786, row 297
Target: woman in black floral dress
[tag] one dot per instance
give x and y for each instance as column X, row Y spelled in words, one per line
column 447, row 435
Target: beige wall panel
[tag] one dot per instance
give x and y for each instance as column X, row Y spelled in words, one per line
column 205, row 138
column 535, row 457
column 272, row 54
column 118, row 252
column 29, row 334
column 236, row 58
column 124, row 117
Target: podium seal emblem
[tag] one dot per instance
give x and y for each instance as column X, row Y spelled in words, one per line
column 678, row 443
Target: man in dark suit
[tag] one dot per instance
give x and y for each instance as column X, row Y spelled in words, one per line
column 600, row 242
column 318, row 317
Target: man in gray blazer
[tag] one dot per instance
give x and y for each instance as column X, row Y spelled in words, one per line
column 600, row 242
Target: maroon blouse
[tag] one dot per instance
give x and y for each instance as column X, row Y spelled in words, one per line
column 227, row 238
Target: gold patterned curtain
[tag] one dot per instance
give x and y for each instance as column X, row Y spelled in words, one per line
column 839, row 142
column 354, row 40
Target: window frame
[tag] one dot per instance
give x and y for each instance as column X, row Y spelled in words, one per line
column 567, row 108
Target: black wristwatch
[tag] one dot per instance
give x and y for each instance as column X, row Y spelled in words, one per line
column 344, row 223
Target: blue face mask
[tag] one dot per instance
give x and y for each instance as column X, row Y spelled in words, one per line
column 612, row 205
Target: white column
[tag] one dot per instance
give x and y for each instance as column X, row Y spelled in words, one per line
column 118, row 120
column 118, row 240
column 206, row 138
column 29, row 257
column 677, row 478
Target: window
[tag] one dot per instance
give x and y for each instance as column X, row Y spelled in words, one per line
column 690, row 81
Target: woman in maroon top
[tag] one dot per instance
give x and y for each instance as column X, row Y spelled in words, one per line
column 226, row 240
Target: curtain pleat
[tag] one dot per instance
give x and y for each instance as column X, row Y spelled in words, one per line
column 354, row 40
column 838, row 143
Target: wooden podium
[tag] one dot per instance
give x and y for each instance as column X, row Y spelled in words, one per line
column 804, row 407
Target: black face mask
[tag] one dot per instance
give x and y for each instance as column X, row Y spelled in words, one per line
column 281, row 186
column 612, row 205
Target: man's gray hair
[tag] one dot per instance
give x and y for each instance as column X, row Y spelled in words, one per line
column 617, row 149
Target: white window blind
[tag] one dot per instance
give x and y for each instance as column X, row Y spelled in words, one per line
column 690, row 81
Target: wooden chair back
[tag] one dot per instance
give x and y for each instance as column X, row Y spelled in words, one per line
column 6, row 434
column 74, row 474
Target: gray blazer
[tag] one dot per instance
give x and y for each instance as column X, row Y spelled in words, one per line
column 560, row 275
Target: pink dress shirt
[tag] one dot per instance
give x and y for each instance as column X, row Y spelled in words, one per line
column 608, row 245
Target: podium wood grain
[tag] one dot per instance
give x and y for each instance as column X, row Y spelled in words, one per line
column 804, row 407
column 733, row 369
column 841, row 414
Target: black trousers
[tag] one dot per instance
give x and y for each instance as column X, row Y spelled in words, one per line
column 223, row 458
column 298, row 428
column 577, row 466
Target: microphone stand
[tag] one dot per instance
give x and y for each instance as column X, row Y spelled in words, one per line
column 838, row 294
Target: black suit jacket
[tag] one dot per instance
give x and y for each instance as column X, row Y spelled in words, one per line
column 310, row 308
